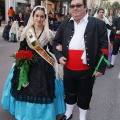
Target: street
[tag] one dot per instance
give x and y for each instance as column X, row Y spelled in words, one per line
column 105, row 103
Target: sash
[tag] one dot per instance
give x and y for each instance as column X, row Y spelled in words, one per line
column 35, row 44
column 117, row 36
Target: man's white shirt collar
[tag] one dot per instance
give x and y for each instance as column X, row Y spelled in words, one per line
column 85, row 18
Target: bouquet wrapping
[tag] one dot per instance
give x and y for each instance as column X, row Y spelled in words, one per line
column 105, row 52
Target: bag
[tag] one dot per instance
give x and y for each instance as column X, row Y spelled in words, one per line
column 13, row 37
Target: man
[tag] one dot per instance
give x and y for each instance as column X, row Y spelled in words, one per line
column 82, row 38
column 27, row 16
column 116, row 45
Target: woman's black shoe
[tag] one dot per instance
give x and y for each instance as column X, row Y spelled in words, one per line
column 64, row 117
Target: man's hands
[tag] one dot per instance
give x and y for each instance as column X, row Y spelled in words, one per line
column 62, row 60
column 98, row 74
column 118, row 32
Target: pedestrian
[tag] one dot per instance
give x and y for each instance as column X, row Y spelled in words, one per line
column 111, row 16
column 116, row 44
column 21, row 20
column 101, row 15
column 81, row 39
column 6, row 31
column 28, row 7
column 11, row 14
column 27, row 15
column 42, row 97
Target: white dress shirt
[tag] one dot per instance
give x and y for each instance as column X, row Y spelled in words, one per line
column 77, row 41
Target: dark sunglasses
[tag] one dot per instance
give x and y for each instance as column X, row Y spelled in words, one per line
column 77, row 6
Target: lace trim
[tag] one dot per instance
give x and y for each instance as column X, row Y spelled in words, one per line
column 32, row 99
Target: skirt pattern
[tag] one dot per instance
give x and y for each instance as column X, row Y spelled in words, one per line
column 32, row 111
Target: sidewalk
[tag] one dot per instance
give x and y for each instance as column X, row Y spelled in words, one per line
column 2, row 27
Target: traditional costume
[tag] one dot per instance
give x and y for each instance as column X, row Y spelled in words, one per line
column 108, row 24
column 43, row 98
column 116, row 45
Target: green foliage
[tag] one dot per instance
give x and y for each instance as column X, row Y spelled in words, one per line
column 115, row 5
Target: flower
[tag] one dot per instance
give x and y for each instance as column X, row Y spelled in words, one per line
column 105, row 52
column 23, row 58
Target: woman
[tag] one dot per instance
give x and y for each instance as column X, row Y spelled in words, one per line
column 111, row 18
column 43, row 98
column 20, row 20
column 100, row 15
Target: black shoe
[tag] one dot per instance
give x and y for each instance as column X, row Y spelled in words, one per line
column 111, row 66
column 64, row 117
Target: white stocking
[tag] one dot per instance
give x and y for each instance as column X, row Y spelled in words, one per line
column 113, row 59
column 69, row 109
column 82, row 114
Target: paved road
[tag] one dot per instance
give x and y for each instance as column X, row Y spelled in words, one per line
column 105, row 103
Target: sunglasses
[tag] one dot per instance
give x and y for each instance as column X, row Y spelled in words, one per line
column 77, row 6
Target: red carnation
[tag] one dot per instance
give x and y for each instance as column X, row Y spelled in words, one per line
column 105, row 51
column 28, row 55
column 23, row 56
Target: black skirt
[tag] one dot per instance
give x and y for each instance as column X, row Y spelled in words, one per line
column 41, row 86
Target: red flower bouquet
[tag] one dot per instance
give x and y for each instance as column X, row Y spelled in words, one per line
column 24, row 56
column 105, row 52
column 23, row 59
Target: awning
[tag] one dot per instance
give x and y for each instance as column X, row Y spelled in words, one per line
column 21, row 1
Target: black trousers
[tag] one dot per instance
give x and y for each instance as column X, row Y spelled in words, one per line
column 116, row 46
column 11, row 19
column 78, row 86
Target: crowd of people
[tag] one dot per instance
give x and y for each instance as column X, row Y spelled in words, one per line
column 63, row 73
column 112, row 22
column 17, row 21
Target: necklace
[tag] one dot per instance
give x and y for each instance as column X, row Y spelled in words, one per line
column 39, row 34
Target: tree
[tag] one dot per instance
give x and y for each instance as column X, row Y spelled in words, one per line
column 107, row 5
column 115, row 6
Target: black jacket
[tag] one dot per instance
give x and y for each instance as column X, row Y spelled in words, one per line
column 6, row 31
column 95, row 37
column 116, row 25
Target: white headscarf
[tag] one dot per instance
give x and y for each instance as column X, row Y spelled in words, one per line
column 58, row 67
column 31, row 22
column 104, row 18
